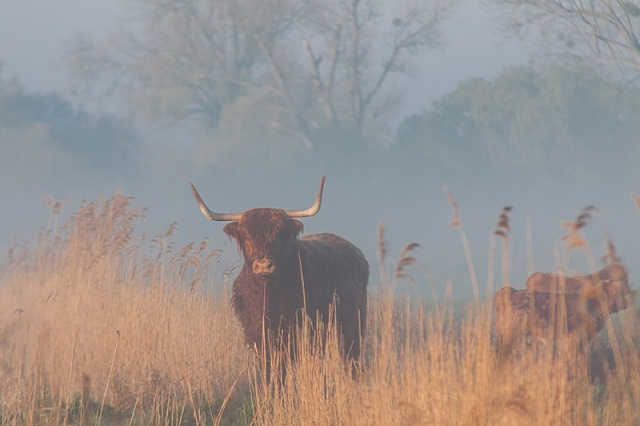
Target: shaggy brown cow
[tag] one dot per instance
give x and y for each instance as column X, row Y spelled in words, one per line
column 547, row 282
column 582, row 303
column 282, row 274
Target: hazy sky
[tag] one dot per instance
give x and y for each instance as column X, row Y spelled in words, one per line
column 33, row 34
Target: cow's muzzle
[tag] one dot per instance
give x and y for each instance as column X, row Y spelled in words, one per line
column 264, row 266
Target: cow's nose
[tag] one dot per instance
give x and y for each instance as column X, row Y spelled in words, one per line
column 264, row 266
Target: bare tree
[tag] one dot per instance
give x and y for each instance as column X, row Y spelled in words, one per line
column 362, row 49
column 285, row 68
column 195, row 56
column 605, row 30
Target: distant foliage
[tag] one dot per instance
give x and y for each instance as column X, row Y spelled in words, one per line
column 563, row 121
column 258, row 81
column 43, row 131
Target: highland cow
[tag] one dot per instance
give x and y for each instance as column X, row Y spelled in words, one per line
column 548, row 282
column 587, row 301
column 284, row 276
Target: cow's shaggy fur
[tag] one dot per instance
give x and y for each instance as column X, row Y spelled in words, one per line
column 586, row 304
column 283, row 274
column 548, row 282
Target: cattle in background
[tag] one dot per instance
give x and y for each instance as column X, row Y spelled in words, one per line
column 587, row 300
column 548, row 282
column 283, row 274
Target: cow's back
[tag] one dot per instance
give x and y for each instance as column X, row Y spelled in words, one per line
column 333, row 261
column 333, row 268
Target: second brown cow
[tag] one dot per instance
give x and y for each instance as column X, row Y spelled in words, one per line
column 586, row 303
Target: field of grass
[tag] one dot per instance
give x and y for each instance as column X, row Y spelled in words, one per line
column 101, row 325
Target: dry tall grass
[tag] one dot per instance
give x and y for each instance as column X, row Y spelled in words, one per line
column 94, row 328
column 94, row 316
column 440, row 367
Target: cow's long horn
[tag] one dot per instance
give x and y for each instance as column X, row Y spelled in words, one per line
column 226, row 217
column 311, row 210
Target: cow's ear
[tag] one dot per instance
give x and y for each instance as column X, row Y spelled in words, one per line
column 231, row 229
column 298, row 227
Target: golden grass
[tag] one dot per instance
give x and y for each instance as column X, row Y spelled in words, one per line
column 101, row 325
column 96, row 316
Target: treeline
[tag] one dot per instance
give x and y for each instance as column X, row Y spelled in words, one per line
column 558, row 121
column 312, row 86
column 562, row 121
column 43, row 137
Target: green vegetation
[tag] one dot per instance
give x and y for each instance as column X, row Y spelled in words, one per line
column 562, row 122
column 43, row 136
column 257, row 80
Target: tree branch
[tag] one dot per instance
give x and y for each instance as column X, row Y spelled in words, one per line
column 314, row 63
column 278, row 75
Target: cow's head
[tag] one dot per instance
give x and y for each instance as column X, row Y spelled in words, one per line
column 266, row 236
column 613, row 289
column 617, row 289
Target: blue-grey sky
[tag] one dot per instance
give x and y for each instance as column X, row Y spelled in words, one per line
column 33, row 34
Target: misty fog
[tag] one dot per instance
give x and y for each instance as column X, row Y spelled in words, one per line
column 100, row 149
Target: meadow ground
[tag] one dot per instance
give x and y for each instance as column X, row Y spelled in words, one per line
column 100, row 325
